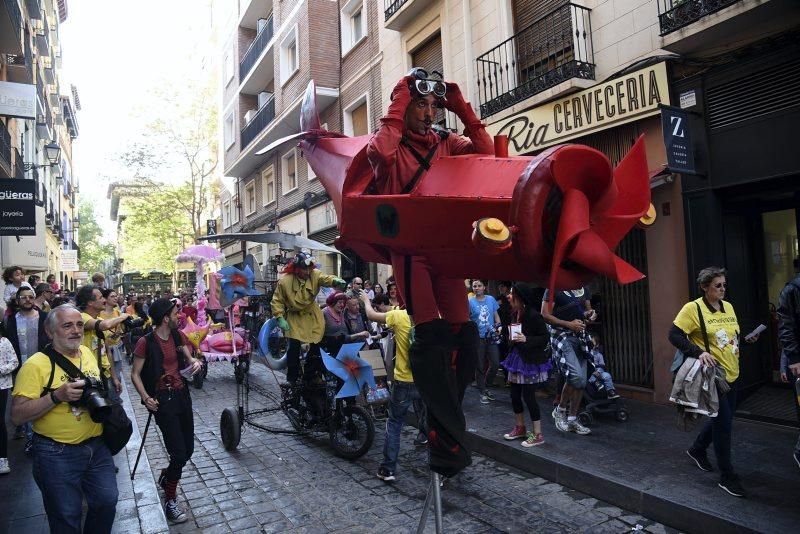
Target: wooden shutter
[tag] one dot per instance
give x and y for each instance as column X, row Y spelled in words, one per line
column 429, row 55
column 360, row 120
column 526, row 12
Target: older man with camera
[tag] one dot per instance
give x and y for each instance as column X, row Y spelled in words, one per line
column 70, row 459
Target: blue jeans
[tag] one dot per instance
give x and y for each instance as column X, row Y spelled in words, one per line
column 605, row 379
column 404, row 395
column 718, row 430
column 67, row 473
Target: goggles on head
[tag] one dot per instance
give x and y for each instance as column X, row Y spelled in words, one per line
column 303, row 260
column 426, row 85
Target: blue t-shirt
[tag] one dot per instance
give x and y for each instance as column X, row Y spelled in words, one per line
column 567, row 306
column 482, row 313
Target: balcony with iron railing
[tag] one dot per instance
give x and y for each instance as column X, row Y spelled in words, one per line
column 258, row 123
column 397, row 14
column 676, row 14
column 256, row 48
column 553, row 49
column 20, row 68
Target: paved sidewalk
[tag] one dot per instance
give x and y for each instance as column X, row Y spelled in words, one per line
column 641, row 464
column 138, row 508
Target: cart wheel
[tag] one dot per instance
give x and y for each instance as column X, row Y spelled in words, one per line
column 621, row 415
column 351, row 432
column 585, row 418
column 231, row 428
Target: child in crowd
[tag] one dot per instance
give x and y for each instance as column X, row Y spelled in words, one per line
column 600, row 374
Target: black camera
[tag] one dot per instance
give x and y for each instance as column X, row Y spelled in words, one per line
column 94, row 399
column 130, row 323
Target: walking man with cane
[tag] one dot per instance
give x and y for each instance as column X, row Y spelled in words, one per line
column 161, row 360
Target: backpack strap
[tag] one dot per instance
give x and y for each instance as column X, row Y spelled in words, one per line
column 703, row 327
column 424, row 163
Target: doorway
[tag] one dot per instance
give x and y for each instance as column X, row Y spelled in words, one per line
column 761, row 245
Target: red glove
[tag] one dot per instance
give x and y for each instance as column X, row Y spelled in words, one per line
column 454, row 101
column 402, row 88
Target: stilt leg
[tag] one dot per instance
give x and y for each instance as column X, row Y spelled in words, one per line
column 434, row 494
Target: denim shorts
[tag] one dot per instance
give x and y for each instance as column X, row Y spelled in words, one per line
column 572, row 363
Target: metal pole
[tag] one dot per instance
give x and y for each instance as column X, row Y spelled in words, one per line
column 437, row 502
column 141, row 445
column 425, row 508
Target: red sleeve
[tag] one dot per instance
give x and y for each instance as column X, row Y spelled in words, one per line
column 185, row 340
column 477, row 141
column 140, row 351
column 382, row 147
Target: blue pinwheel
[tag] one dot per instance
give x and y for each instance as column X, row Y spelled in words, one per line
column 235, row 284
column 348, row 366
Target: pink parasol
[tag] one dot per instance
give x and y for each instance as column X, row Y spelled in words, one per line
column 199, row 253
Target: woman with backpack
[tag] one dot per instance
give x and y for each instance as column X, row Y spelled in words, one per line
column 528, row 362
column 707, row 329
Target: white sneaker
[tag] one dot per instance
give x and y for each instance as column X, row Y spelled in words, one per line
column 578, row 428
column 485, row 399
column 4, row 467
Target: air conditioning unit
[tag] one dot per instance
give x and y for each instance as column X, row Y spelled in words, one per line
column 263, row 97
column 249, row 116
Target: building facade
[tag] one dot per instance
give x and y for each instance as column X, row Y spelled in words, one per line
column 38, row 145
column 275, row 48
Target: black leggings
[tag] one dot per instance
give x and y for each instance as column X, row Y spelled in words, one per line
column 526, row 392
column 3, row 434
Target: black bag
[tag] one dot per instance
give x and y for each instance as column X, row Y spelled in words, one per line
column 117, row 428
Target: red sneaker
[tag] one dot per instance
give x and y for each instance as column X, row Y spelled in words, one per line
column 516, row 433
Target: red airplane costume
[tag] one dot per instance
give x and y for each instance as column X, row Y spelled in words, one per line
column 553, row 219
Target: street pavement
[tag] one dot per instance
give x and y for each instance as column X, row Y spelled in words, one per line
column 291, row 483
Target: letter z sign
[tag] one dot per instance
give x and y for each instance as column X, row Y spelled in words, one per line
column 675, row 125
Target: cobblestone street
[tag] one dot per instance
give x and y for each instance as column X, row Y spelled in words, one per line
column 280, row 483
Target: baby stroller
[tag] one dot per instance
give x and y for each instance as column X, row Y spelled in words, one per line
column 596, row 401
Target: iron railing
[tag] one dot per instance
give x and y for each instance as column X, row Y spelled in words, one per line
column 553, row 49
column 675, row 14
column 5, row 145
column 256, row 48
column 264, row 116
column 390, row 7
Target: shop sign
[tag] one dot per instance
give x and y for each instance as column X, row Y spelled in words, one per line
column 17, row 100
column 81, row 275
column 211, row 227
column 17, row 207
column 621, row 100
column 69, row 260
column 676, row 127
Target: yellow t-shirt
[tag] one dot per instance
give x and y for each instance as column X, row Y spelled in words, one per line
column 91, row 342
column 723, row 333
column 64, row 423
column 400, row 324
column 114, row 335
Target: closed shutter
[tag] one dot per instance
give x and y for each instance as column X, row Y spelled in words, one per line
column 429, row 57
column 526, row 12
column 360, row 120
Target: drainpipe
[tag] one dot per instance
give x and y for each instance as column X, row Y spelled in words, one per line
column 468, row 54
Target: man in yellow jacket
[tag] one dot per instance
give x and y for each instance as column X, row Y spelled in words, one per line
column 295, row 308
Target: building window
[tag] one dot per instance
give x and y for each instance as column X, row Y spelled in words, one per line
column 289, row 56
column 235, row 206
column 228, row 134
column 250, row 197
column 289, row 172
column 330, row 213
column 226, row 214
column 268, row 185
column 228, row 66
column 356, row 117
column 354, row 24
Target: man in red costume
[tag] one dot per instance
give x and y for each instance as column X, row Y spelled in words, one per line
column 444, row 351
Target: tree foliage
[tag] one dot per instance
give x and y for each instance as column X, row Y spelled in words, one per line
column 95, row 254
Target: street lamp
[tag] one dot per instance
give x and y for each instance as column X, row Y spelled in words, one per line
column 53, row 154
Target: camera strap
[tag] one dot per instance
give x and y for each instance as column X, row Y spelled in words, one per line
column 61, row 360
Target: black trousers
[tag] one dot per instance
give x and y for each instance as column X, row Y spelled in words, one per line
column 293, row 358
column 527, row 393
column 176, row 422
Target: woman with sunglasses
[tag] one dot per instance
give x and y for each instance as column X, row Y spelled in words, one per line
column 719, row 346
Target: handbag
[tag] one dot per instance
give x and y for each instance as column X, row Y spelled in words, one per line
column 117, row 427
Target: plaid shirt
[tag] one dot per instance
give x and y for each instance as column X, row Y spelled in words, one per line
column 558, row 340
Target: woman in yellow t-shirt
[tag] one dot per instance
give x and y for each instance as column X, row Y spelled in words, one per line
column 720, row 348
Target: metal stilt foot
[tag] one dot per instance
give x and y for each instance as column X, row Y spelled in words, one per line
column 434, row 494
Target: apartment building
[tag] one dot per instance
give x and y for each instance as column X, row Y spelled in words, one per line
column 275, row 48
column 597, row 72
column 36, row 138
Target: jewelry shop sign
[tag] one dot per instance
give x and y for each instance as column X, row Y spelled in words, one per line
column 618, row 101
column 17, row 208
column 17, row 100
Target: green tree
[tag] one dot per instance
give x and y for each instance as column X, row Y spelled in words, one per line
column 95, row 254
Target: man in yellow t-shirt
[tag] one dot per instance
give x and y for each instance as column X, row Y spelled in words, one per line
column 90, row 302
column 404, row 392
column 70, row 459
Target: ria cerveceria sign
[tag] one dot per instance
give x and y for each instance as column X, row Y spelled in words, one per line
column 624, row 99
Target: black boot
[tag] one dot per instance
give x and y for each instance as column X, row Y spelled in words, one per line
column 431, row 364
